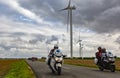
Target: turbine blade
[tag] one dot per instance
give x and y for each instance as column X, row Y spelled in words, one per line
column 68, row 7
column 64, row 9
column 69, row 3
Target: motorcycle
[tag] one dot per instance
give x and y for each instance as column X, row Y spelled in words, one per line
column 56, row 62
column 106, row 62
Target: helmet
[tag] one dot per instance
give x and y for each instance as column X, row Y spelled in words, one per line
column 104, row 49
column 99, row 48
column 55, row 46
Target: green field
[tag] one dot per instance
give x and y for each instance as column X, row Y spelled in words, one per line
column 15, row 69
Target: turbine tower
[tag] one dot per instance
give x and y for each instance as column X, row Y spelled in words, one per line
column 69, row 8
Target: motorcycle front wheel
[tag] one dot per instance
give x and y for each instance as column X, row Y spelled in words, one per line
column 112, row 68
column 59, row 71
column 101, row 68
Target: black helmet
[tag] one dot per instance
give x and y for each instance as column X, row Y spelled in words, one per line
column 104, row 49
column 99, row 48
column 55, row 46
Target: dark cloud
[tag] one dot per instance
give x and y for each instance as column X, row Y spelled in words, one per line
column 38, row 37
column 12, row 34
column 51, row 39
column 7, row 47
column 98, row 15
column 18, row 33
column 49, row 10
column 17, row 40
column 34, row 41
column 54, row 38
column 108, row 21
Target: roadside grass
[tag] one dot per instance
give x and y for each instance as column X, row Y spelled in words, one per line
column 87, row 62
column 42, row 60
column 5, row 66
column 117, row 63
column 80, row 62
column 20, row 69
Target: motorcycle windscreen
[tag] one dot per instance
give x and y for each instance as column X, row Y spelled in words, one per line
column 58, row 53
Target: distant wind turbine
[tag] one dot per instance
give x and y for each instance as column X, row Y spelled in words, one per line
column 80, row 46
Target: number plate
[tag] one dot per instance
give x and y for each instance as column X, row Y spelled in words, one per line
column 59, row 65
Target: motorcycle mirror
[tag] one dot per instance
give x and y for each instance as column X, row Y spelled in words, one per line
column 115, row 56
column 64, row 56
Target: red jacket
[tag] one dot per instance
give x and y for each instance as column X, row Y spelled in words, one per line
column 99, row 53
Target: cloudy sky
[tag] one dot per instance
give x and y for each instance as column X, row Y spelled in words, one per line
column 31, row 27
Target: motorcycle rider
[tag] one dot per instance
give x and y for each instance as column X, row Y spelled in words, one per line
column 106, row 60
column 98, row 55
column 51, row 53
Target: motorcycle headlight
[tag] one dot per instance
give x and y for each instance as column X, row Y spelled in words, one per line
column 58, row 59
column 110, row 59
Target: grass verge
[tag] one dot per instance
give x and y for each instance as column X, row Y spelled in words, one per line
column 5, row 65
column 20, row 70
column 80, row 62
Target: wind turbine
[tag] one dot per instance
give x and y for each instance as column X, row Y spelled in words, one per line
column 69, row 20
column 80, row 46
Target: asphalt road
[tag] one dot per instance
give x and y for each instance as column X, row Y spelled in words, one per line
column 68, row 71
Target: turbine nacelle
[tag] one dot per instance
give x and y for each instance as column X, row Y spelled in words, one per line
column 73, row 7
